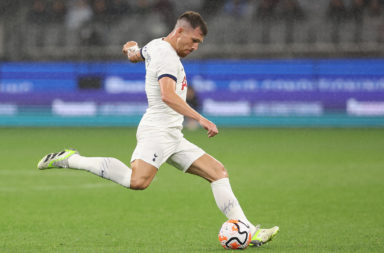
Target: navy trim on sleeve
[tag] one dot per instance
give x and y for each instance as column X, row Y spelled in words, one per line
column 141, row 53
column 167, row 75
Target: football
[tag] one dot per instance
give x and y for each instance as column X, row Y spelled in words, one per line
column 234, row 234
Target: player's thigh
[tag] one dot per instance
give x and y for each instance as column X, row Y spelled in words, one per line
column 142, row 174
column 208, row 167
column 184, row 155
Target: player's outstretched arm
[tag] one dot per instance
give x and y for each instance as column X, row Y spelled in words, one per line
column 132, row 51
column 169, row 96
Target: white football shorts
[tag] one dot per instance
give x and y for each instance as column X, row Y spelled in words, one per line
column 156, row 146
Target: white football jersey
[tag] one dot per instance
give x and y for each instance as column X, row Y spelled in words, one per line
column 162, row 60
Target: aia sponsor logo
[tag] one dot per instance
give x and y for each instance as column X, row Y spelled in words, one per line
column 184, row 83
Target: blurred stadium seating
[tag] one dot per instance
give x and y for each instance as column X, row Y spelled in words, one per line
column 96, row 29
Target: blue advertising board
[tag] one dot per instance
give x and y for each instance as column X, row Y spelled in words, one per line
column 254, row 92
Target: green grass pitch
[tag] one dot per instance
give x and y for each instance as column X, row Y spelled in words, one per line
column 323, row 187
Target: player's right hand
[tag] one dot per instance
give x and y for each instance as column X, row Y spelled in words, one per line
column 129, row 45
column 210, row 126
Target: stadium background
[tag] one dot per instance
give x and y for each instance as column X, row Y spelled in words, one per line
column 296, row 88
column 264, row 63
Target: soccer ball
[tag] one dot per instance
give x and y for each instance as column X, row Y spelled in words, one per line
column 235, row 234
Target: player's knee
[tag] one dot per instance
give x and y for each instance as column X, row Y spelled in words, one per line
column 141, row 183
column 221, row 172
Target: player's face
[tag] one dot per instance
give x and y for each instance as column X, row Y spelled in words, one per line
column 189, row 41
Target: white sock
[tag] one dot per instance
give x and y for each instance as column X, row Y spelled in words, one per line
column 106, row 167
column 227, row 202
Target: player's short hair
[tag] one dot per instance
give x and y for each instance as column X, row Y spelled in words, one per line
column 195, row 20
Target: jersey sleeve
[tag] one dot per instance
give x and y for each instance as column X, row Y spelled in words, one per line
column 166, row 64
column 144, row 52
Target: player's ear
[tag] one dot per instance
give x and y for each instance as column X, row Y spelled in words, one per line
column 179, row 30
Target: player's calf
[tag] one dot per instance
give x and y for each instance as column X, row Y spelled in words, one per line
column 105, row 167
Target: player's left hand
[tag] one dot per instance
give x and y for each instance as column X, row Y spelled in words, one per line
column 210, row 126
